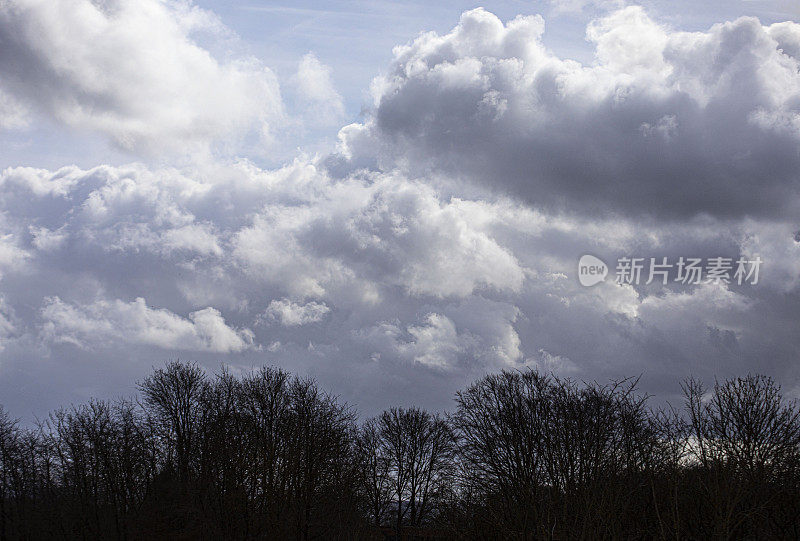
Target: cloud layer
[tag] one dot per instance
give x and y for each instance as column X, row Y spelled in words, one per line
column 373, row 283
column 440, row 241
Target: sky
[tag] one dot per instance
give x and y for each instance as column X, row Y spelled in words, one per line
column 393, row 198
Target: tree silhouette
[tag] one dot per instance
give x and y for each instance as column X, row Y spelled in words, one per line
column 268, row 455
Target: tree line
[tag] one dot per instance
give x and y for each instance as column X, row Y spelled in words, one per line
column 523, row 455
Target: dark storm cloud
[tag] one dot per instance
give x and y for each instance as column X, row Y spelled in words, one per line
column 667, row 123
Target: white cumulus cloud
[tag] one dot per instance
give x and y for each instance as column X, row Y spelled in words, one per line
column 290, row 313
column 136, row 323
column 132, row 70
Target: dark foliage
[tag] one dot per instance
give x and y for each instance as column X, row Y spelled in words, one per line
column 523, row 456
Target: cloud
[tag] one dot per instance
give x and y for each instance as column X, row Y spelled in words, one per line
column 548, row 363
column 400, row 280
column 40, row 182
column 135, row 323
column 45, row 239
column 8, row 324
column 132, row 70
column 433, row 343
column 13, row 257
column 316, row 96
column 290, row 314
column 467, row 337
column 577, row 6
column 12, row 113
column 663, row 123
column 436, row 342
column 390, row 231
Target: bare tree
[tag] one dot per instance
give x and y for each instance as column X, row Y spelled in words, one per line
column 11, row 482
column 745, row 440
column 502, row 423
column 375, row 471
column 173, row 395
column 418, row 448
column 524, row 456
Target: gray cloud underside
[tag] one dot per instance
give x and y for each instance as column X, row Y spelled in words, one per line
column 376, row 285
column 664, row 123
